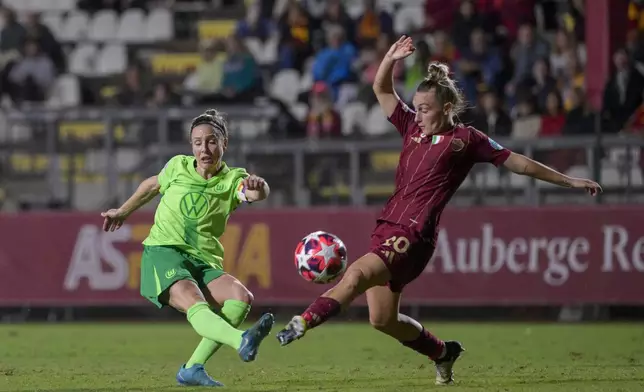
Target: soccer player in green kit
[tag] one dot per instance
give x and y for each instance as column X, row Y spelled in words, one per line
column 182, row 263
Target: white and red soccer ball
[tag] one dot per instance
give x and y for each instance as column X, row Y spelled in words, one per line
column 320, row 257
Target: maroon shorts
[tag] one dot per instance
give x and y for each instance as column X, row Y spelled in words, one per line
column 403, row 251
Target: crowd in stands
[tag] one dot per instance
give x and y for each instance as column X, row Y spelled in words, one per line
column 522, row 75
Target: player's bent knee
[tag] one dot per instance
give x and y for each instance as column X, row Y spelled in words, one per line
column 382, row 322
column 241, row 293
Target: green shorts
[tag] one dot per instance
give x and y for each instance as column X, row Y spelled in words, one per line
column 162, row 266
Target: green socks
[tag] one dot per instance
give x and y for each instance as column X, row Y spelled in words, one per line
column 213, row 327
column 234, row 312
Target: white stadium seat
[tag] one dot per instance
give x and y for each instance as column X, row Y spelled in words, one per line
column 54, row 21
column 75, row 26
column 82, row 60
column 112, row 60
column 300, row 110
column 132, row 26
column 160, row 25
column 65, row 93
column 285, row 85
column 377, row 123
column 408, row 19
column 103, row 26
column 353, row 117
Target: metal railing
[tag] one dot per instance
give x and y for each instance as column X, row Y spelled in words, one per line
column 154, row 152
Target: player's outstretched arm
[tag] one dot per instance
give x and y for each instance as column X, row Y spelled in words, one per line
column 523, row 165
column 255, row 188
column 383, row 84
column 147, row 191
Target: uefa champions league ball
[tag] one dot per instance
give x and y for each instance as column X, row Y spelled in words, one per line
column 320, row 257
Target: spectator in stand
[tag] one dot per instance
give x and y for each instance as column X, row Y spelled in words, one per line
column 439, row 14
column 335, row 15
column 574, row 19
column 443, row 49
column 528, row 122
column 296, row 31
column 635, row 48
column 33, row 75
column 622, row 93
column 538, row 85
column 554, row 118
column 478, row 65
column 132, row 92
column 417, row 70
column 46, row 40
column 465, row 22
column 333, row 64
column 489, row 116
column 323, row 121
column 573, row 77
column 208, row 76
column 241, row 77
column 372, row 25
column 565, row 43
column 371, row 60
column 580, row 119
column 526, row 51
column 13, row 35
column 254, row 25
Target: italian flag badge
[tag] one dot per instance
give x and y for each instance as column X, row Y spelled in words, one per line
column 437, row 139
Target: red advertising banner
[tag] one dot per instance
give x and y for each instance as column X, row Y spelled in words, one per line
column 484, row 256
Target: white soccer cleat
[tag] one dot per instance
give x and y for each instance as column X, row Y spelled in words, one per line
column 294, row 330
column 445, row 365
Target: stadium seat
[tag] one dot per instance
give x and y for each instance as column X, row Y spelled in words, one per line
column 82, row 59
column 620, row 155
column 160, row 25
column 65, row 92
column 112, row 60
column 131, row 26
column 265, row 53
column 306, row 82
column 103, row 26
column 353, row 118
column 75, row 26
column 127, row 159
column 409, row 19
column 285, row 85
column 300, row 111
column 610, row 177
column 54, row 21
column 377, row 124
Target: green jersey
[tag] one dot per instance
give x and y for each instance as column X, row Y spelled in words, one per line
column 193, row 211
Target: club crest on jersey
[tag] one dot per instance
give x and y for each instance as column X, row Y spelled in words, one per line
column 219, row 188
column 494, row 144
column 457, row 144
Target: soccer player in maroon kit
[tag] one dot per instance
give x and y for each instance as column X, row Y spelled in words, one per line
column 437, row 155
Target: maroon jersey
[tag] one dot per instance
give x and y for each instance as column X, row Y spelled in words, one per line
column 430, row 170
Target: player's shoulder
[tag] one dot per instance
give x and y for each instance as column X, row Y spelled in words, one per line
column 179, row 162
column 468, row 133
column 235, row 173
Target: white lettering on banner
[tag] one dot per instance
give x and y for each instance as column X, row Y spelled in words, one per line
column 615, row 249
column 489, row 254
column 92, row 248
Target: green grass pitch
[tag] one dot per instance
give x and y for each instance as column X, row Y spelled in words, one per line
column 336, row 357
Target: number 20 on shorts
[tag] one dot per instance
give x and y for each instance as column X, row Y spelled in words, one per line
column 400, row 245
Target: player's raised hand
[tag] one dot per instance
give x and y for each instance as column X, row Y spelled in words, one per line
column 589, row 186
column 401, row 48
column 114, row 219
column 254, row 183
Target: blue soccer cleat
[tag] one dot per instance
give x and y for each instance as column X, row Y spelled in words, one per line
column 252, row 338
column 196, row 375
